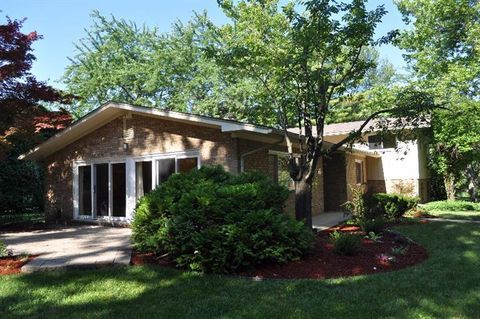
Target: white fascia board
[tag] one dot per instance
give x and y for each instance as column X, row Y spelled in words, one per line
column 110, row 110
column 225, row 126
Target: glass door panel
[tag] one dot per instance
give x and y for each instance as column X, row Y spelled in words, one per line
column 119, row 192
column 143, row 178
column 101, row 189
column 165, row 168
column 187, row 164
column 85, row 190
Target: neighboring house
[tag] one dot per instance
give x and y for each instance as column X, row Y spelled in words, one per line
column 102, row 164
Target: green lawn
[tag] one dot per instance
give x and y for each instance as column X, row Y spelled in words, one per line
column 25, row 218
column 447, row 285
column 468, row 215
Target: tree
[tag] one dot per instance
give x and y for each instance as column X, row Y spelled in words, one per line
column 24, row 122
column 123, row 62
column 442, row 48
column 304, row 62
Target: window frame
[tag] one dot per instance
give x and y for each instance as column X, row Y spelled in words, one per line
column 129, row 176
column 362, row 172
column 381, row 144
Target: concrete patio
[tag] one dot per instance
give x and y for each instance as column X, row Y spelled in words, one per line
column 71, row 247
column 326, row 220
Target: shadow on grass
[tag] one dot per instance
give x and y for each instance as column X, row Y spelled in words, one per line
column 444, row 286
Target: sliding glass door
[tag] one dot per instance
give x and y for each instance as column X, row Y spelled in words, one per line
column 102, row 190
column 108, row 188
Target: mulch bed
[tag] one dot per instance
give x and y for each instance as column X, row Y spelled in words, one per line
column 13, row 264
column 324, row 263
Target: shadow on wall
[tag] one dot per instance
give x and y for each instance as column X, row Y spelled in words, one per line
column 150, row 136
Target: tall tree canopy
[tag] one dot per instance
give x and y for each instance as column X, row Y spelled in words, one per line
column 23, row 121
column 287, row 66
column 306, row 57
column 123, row 62
column 442, row 46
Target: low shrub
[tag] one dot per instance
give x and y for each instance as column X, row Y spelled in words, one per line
column 452, row 205
column 372, row 225
column 211, row 221
column 4, row 252
column 345, row 243
column 388, row 206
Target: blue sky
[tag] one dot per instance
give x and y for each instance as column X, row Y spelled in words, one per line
column 62, row 23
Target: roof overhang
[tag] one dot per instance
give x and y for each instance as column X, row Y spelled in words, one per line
column 111, row 111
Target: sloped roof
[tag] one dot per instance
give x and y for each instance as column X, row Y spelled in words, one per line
column 347, row 127
column 112, row 110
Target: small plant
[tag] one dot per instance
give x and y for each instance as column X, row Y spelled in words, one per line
column 373, row 236
column 388, row 206
column 345, row 243
column 356, row 206
column 386, row 259
column 4, row 252
column 402, row 250
column 372, row 225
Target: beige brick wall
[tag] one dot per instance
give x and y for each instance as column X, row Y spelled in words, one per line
column 351, row 173
column 265, row 162
column 151, row 135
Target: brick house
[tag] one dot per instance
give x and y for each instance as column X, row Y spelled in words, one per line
column 98, row 167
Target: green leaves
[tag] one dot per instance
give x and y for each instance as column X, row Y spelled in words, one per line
column 442, row 46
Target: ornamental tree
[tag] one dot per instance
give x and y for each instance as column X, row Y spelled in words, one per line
column 24, row 121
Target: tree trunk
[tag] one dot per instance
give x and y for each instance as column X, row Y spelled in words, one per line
column 303, row 202
column 449, row 181
column 473, row 182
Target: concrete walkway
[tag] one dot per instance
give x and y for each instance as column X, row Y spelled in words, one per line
column 71, row 247
column 326, row 220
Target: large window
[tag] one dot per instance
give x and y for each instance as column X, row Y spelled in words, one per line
column 108, row 188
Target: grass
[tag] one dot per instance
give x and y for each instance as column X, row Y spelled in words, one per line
column 444, row 286
column 12, row 219
column 452, row 205
column 463, row 215
column 454, row 209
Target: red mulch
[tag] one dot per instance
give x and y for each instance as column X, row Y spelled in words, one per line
column 323, row 262
column 12, row 265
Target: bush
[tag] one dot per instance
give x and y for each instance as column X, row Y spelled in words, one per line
column 356, row 206
column 388, row 206
column 452, row 205
column 4, row 252
column 372, row 225
column 209, row 220
column 345, row 243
